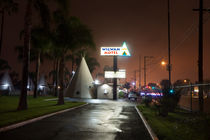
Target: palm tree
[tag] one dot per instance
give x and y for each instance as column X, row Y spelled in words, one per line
column 4, row 65
column 40, row 40
column 70, row 34
column 54, row 54
column 8, row 6
column 26, row 55
column 43, row 11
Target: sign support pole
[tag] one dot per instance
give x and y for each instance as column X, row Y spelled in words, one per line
column 115, row 79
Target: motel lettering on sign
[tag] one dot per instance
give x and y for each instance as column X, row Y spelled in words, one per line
column 115, row 51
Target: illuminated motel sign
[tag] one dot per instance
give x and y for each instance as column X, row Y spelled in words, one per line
column 116, row 51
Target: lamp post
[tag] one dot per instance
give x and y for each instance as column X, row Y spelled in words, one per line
column 96, row 83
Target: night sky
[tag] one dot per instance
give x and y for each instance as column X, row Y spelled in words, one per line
column 143, row 25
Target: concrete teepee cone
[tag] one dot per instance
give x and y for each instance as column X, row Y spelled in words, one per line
column 81, row 83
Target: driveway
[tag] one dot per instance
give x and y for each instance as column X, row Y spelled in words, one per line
column 99, row 120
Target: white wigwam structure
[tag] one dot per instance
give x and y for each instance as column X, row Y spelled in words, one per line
column 81, row 84
column 6, row 83
column 42, row 85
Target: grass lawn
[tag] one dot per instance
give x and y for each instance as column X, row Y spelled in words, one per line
column 36, row 107
column 180, row 125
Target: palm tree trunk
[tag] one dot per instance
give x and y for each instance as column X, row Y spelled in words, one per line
column 57, row 78
column 72, row 67
column 54, row 76
column 61, row 81
column 37, row 75
column 26, row 55
column 2, row 28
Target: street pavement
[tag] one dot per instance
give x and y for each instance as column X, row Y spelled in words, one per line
column 99, row 120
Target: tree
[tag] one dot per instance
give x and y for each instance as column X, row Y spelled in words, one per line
column 91, row 61
column 108, row 68
column 36, row 53
column 41, row 36
column 4, row 65
column 70, row 34
column 67, row 76
column 165, row 84
column 40, row 40
column 54, row 55
column 14, row 77
column 41, row 7
column 26, row 55
column 152, row 84
column 127, row 85
column 8, row 6
column 19, row 49
column 169, row 101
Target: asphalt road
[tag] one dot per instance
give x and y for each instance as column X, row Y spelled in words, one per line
column 99, row 120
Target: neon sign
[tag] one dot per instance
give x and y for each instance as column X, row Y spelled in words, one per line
column 118, row 51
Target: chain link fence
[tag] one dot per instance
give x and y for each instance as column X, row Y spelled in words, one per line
column 189, row 98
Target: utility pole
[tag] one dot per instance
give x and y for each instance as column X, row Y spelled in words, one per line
column 139, row 72
column 200, row 53
column 169, row 45
column 145, row 68
column 200, row 56
column 145, row 74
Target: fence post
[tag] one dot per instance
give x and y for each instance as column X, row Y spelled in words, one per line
column 191, row 92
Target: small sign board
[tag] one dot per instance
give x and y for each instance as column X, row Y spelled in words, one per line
column 112, row 74
column 116, row 51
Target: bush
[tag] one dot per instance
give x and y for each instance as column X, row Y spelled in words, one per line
column 147, row 100
column 121, row 94
column 168, row 102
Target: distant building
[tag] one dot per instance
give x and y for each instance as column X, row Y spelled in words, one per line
column 105, row 91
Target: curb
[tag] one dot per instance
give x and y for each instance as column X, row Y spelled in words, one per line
column 152, row 134
column 13, row 126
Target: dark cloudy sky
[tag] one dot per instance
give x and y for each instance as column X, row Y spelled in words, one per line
column 143, row 25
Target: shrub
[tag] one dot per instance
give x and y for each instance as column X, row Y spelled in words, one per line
column 147, row 100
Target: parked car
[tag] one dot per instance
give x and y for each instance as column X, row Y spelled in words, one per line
column 132, row 96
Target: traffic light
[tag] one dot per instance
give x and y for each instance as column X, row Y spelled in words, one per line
column 171, row 91
column 153, row 87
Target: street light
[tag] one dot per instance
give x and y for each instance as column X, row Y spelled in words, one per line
column 163, row 63
column 96, row 83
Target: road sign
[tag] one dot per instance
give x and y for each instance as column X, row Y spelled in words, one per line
column 112, row 74
column 116, row 51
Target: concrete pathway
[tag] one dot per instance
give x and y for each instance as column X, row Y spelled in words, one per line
column 100, row 120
